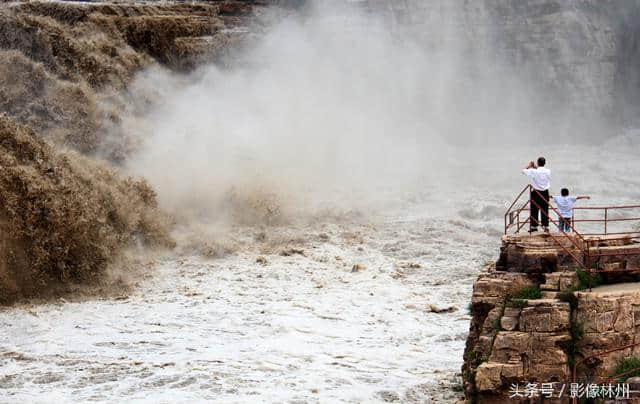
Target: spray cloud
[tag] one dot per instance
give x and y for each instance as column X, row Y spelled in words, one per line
column 342, row 103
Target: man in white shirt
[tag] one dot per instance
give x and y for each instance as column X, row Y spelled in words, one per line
column 541, row 182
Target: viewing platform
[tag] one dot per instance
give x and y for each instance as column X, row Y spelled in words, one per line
column 545, row 252
column 603, row 240
column 557, row 309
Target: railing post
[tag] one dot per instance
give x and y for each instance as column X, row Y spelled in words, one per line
column 606, row 216
column 587, row 251
column 508, row 225
column 529, row 189
column 505, row 223
column 574, row 376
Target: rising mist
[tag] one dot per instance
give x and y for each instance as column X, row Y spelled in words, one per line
column 347, row 102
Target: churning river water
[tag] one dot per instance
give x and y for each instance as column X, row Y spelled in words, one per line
column 356, row 310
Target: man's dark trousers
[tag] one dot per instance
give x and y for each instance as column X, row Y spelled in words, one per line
column 539, row 201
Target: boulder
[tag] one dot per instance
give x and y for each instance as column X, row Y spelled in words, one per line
column 492, row 376
column 493, row 287
column 488, row 376
column 510, row 319
column 545, row 318
column 509, row 345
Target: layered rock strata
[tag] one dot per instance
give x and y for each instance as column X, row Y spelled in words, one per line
column 515, row 339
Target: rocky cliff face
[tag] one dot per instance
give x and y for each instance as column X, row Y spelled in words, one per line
column 528, row 325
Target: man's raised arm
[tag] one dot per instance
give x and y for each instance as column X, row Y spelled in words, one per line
column 528, row 168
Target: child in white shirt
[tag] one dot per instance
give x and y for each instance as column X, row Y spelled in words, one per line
column 564, row 205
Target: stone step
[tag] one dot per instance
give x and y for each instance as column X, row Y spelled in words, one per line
column 549, row 295
column 551, row 301
column 557, row 281
column 614, row 265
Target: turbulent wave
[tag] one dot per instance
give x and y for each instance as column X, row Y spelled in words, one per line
column 67, row 214
column 268, row 151
column 349, row 103
column 64, row 217
column 238, row 118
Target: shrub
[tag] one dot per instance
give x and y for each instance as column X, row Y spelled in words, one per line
column 577, row 332
column 628, row 367
column 583, row 279
column 517, row 303
column 528, row 293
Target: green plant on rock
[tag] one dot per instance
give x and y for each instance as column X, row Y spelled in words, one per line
column 517, row 303
column 626, row 368
column 583, row 280
column 521, row 297
column 577, row 333
column 496, row 323
column 475, row 358
column 470, row 356
column 577, row 330
column 528, row 293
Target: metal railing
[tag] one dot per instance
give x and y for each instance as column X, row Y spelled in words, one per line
column 512, row 219
column 513, row 222
column 598, row 355
column 606, row 219
column 578, row 242
column 583, row 246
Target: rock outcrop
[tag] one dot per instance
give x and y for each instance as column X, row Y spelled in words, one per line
column 531, row 324
column 610, row 317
